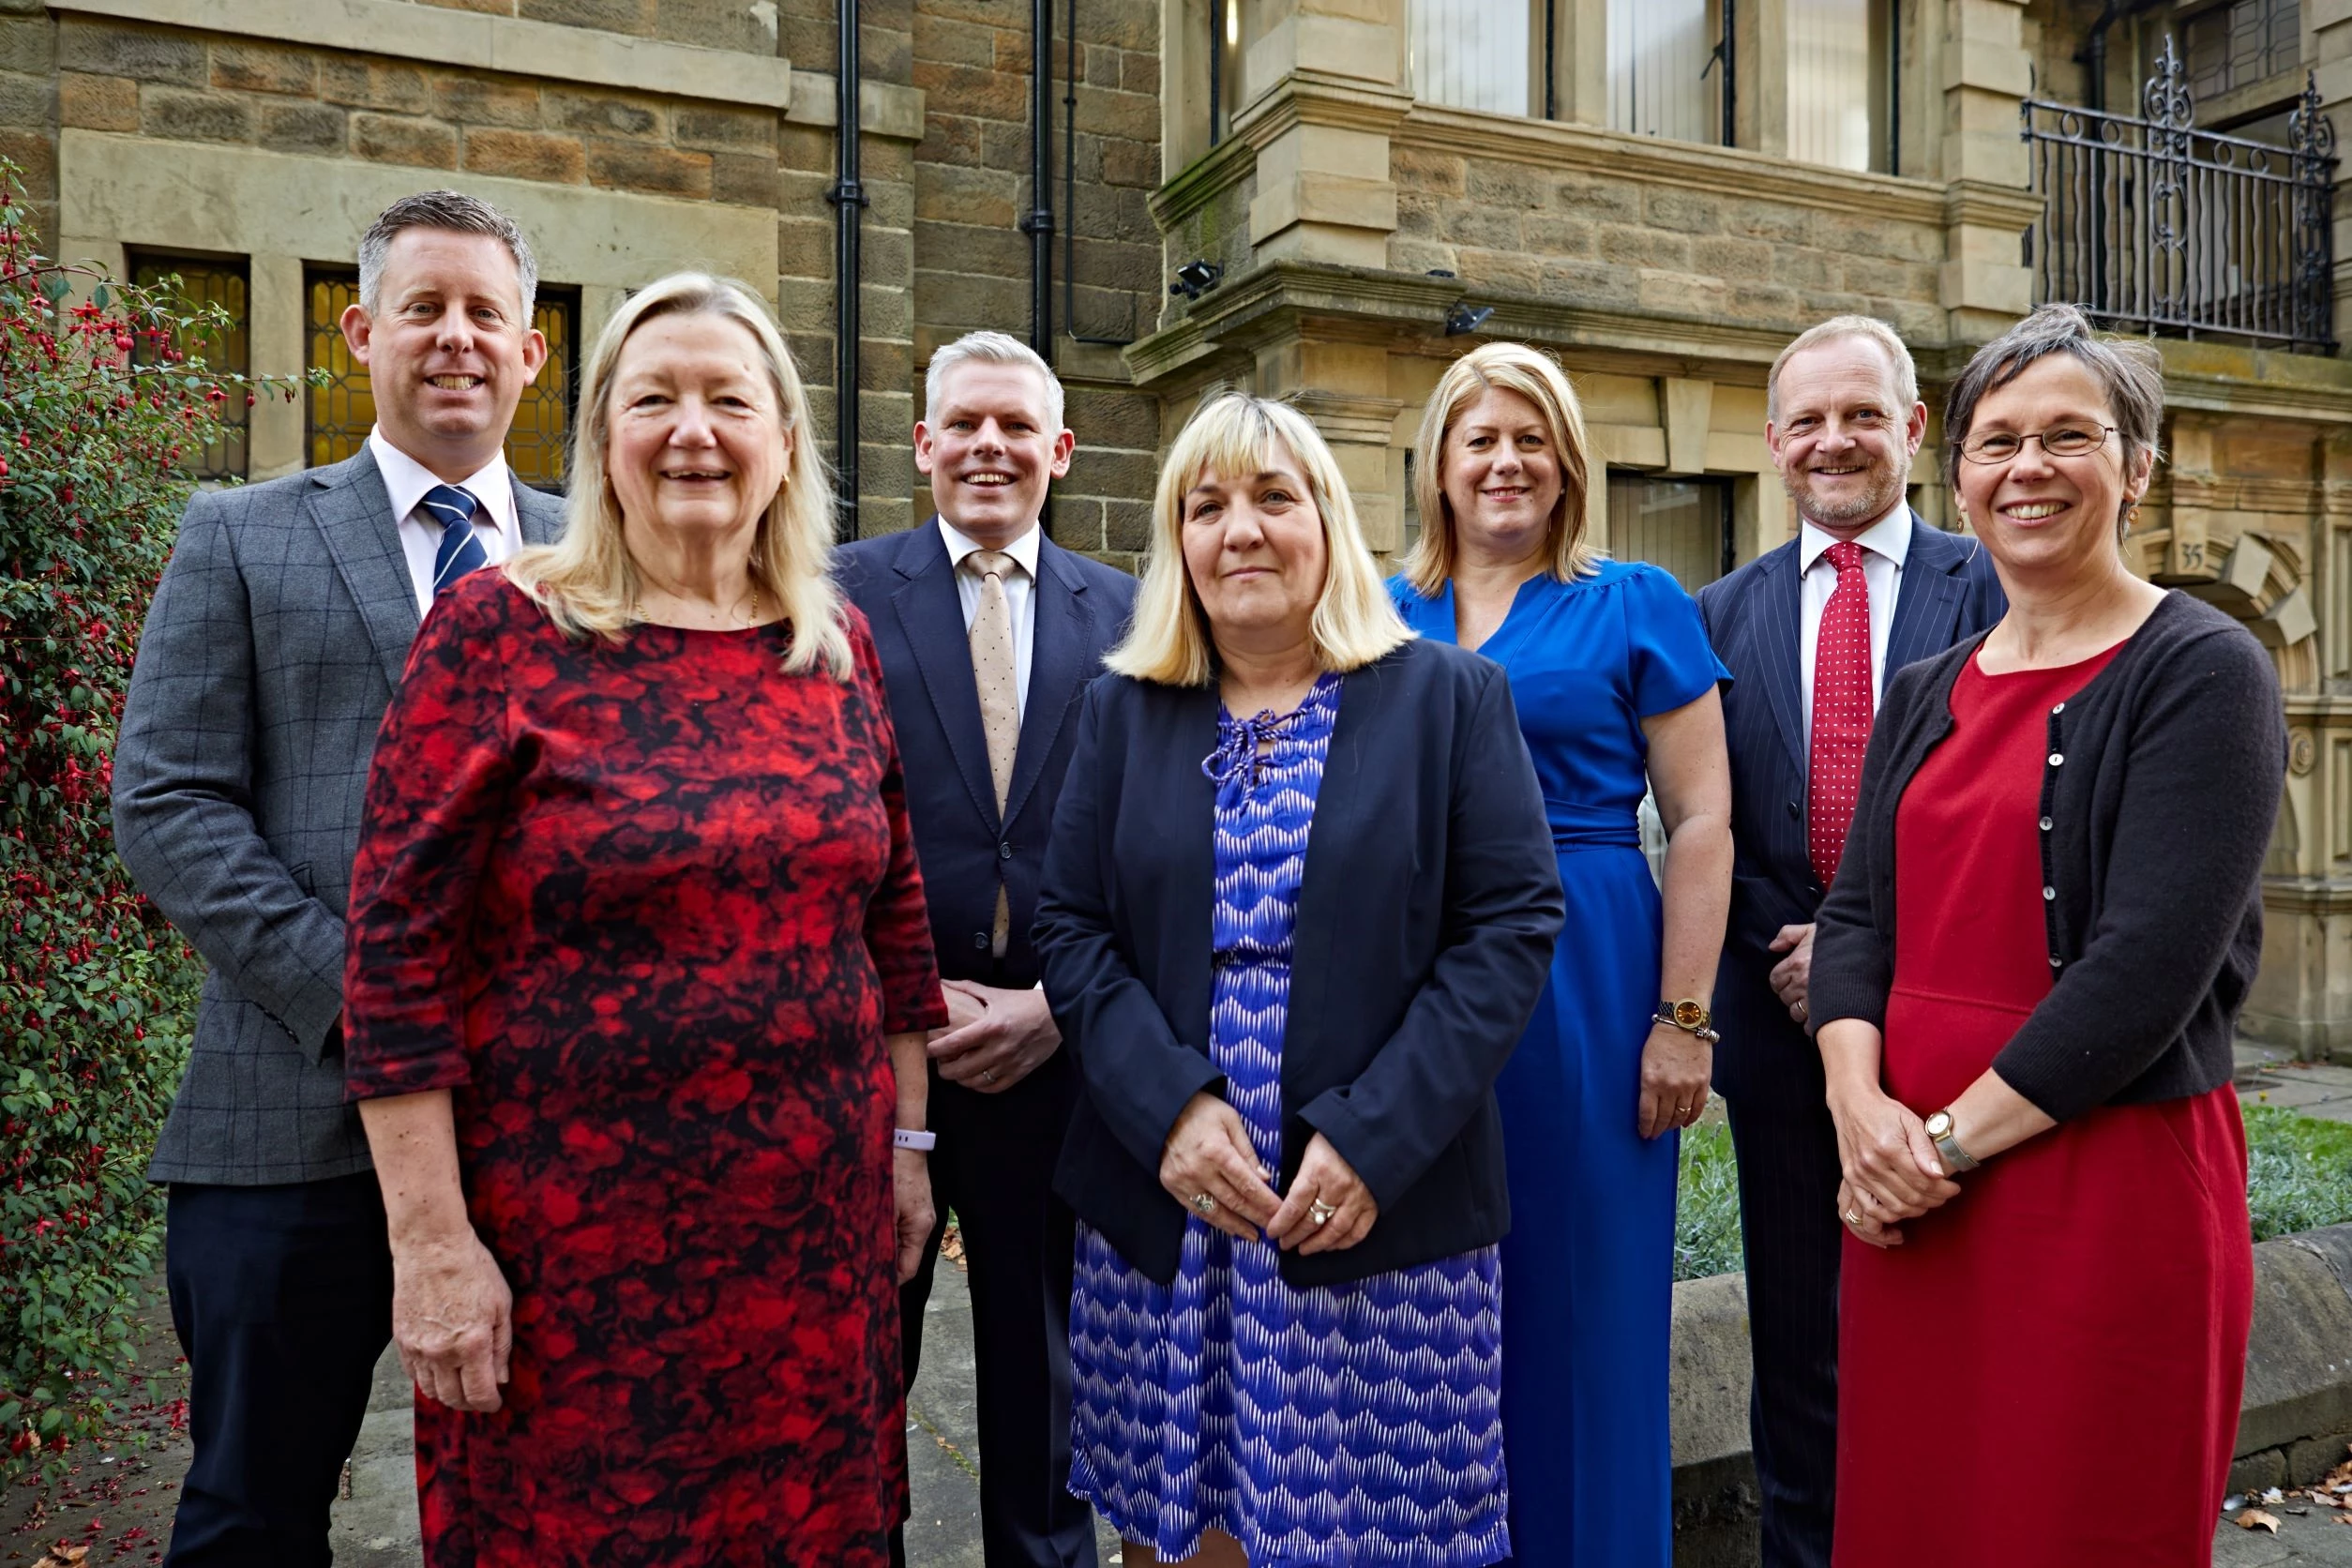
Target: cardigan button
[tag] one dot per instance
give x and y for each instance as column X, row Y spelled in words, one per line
column 2058, row 759
column 2045, row 824
column 2059, row 709
column 2048, row 894
column 2054, row 960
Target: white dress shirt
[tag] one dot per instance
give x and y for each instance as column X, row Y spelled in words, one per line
column 1885, row 543
column 494, row 520
column 1018, row 600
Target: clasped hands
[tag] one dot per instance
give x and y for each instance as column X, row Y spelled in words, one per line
column 994, row 1037
column 1891, row 1172
column 1208, row 1151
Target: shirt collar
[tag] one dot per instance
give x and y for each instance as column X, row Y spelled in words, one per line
column 1023, row 551
column 406, row 480
column 1890, row 536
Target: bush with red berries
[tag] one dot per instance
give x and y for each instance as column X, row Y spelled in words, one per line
column 105, row 401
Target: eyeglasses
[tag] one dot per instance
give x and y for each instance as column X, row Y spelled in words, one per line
column 2058, row 441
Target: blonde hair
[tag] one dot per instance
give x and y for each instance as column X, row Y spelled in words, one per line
column 1234, row 436
column 1537, row 377
column 587, row 582
column 1870, row 329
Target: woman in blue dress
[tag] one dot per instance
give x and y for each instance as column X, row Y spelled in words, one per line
column 1298, row 907
column 1616, row 688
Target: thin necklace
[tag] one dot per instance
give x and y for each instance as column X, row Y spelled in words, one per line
column 637, row 603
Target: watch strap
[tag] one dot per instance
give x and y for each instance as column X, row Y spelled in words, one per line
column 900, row 1138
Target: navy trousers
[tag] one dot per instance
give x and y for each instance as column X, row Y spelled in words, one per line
column 1770, row 1073
column 994, row 1168
column 282, row 1300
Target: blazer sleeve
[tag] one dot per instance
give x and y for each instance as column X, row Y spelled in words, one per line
column 1853, row 965
column 2206, row 766
column 1502, row 916
column 438, row 790
column 897, row 923
column 1138, row 1075
column 183, row 792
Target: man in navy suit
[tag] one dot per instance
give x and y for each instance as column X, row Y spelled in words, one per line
column 1844, row 423
column 988, row 632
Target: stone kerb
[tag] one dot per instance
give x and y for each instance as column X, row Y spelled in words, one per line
column 2293, row 1423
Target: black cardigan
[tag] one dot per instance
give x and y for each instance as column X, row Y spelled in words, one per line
column 2158, row 797
column 1425, row 923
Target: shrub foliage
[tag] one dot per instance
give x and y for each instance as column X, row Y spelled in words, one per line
column 104, row 401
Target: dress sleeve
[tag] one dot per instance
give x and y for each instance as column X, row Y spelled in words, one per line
column 1670, row 661
column 898, row 922
column 437, row 796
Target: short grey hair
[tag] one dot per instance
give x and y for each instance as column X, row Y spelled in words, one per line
column 991, row 348
column 1870, row 329
column 2130, row 372
column 455, row 213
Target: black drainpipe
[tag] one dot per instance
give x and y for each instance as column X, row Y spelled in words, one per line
column 1069, row 192
column 848, row 197
column 1037, row 223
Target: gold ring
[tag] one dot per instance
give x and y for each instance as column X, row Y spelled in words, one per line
column 1853, row 1216
column 1319, row 1210
column 988, row 1075
column 1203, row 1202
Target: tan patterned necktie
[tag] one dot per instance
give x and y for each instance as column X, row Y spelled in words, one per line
column 993, row 672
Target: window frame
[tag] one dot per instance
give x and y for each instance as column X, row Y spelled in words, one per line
column 230, row 459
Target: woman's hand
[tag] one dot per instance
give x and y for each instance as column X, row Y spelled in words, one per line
column 1886, row 1154
column 1676, row 1066
column 1208, row 1151
column 912, row 1212
column 453, row 1318
column 1326, row 1187
column 1858, row 1215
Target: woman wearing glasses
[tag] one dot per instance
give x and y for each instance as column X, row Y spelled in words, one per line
column 2046, row 920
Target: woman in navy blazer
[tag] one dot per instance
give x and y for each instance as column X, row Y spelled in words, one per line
column 1288, row 1158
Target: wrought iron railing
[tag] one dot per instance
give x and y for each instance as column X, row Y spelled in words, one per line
column 2150, row 223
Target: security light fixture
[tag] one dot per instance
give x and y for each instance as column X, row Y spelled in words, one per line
column 1466, row 318
column 1196, row 277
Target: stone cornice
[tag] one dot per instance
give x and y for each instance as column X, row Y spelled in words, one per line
column 1687, row 165
column 1991, row 206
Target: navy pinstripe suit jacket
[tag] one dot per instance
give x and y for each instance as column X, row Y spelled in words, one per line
column 1753, row 617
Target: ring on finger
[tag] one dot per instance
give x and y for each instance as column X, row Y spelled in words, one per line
column 1205, row 1203
column 1319, row 1210
column 1853, row 1216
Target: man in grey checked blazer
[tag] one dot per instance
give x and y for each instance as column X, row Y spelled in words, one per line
column 275, row 638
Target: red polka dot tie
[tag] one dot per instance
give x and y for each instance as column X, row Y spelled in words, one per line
column 1841, row 709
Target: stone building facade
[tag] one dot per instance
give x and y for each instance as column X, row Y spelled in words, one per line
column 1315, row 199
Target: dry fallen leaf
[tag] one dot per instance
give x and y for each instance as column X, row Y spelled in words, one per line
column 2255, row 1518
column 64, row 1556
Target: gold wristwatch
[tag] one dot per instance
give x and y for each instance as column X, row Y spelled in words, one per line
column 1691, row 1017
column 1957, row 1159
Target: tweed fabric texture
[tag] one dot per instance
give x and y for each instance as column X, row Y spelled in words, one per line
column 1357, row 1423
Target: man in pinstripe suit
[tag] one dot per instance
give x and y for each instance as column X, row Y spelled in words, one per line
column 269, row 658
column 1845, row 421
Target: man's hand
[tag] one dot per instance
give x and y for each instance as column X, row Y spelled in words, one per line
column 453, row 1318
column 913, row 1215
column 1792, row 978
column 994, row 1038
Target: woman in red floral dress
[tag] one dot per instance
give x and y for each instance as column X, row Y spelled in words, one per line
column 638, row 975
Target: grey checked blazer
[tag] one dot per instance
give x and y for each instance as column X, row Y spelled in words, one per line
column 281, row 627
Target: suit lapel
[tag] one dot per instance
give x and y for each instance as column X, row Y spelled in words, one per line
column 1060, row 663
column 353, row 511
column 541, row 517
column 1928, row 607
column 1777, row 633
column 931, row 618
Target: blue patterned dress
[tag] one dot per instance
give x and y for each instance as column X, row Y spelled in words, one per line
column 1356, row 1425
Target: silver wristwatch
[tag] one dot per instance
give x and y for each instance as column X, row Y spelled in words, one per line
column 1957, row 1159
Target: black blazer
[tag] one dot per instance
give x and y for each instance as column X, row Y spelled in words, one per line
column 2158, row 799
column 1425, row 923
column 1755, row 618
column 907, row 588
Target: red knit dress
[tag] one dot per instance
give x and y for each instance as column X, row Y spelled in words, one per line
column 2047, row 1370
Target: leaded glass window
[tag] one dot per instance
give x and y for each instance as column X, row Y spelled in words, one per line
column 203, row 281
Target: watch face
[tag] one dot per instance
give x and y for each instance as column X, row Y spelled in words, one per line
column 1690, row 1015
column 1939, row 1125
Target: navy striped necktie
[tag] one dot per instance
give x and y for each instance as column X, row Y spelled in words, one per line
column 459, row 551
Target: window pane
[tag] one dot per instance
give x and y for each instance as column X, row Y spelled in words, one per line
column 1674, row 523
column 343, row 411
column 1471, row 53
column 1657, row 51
column 209, row 282
column 1831, row 85
column 543, row 419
